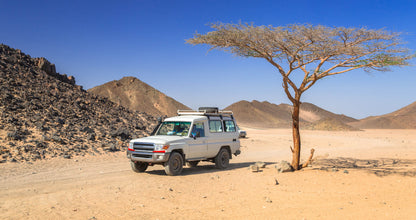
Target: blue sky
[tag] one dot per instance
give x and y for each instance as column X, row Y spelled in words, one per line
column 101, row 41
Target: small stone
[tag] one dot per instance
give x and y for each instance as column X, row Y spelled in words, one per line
column 276, row 182
column 91, row 137
column 260, row 164
column 215, row 177
column 254, row 168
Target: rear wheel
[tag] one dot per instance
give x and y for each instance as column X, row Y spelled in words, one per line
column 139, row 167
column 222, row 160
column 174, row 165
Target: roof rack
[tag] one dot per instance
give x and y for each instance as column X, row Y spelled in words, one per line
column 206, row 112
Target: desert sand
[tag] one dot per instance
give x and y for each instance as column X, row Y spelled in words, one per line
column 105, row 187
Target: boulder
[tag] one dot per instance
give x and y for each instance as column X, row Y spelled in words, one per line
column 284, row 166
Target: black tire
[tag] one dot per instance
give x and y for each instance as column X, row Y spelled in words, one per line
column 174, row 165
column 193, row 163
column 222, row 160
column 139, row 167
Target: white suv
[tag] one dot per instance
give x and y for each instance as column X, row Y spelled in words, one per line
column 192, row 136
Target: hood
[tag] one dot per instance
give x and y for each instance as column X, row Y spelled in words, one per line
column 159, row 139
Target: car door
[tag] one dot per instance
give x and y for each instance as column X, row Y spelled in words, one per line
column 198, row 145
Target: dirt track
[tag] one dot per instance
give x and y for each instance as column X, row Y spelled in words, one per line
column 104, row 187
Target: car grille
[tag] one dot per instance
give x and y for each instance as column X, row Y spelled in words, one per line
column 143, row 147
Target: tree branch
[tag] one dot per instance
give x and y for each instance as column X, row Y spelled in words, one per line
column 309, row 159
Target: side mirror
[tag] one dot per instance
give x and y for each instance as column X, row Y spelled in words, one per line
column 195, row 135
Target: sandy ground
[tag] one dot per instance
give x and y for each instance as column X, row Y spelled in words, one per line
column 105, row 187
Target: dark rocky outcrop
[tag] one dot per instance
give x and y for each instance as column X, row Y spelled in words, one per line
column 44, row 114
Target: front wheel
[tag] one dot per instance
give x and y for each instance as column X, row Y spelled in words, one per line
column 174, row 165
column 139, row 167
column 222, row 160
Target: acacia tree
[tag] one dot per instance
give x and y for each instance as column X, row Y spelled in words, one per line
column 313, row 51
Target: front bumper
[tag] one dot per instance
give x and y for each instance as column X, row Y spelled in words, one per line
column 148, row 157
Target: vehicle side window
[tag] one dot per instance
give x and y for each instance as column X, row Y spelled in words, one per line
column 229, row 126
column 198, row 128
column 215, row 126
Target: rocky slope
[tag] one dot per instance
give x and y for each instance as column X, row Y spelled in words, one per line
column 139, row 96
column 44, row 114
column 404, row 118
column 265, row 114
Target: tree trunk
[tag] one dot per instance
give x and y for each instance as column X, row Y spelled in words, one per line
column 296, row 136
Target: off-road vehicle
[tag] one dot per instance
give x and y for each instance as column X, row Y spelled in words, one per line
column 190, row 137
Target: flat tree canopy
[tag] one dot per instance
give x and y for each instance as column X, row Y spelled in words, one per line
column 313, row 51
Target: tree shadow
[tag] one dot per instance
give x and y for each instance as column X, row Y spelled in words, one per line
column 380, row 167
column 204, row 168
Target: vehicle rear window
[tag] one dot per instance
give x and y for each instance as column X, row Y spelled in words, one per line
column 229, row 126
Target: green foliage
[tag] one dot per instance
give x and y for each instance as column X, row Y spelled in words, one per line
column 309, row 47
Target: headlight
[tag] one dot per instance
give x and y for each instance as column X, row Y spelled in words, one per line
column 160, row 148
column 131, row 146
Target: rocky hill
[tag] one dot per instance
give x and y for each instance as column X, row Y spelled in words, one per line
column 404, row 118
column 44, row 114
column 261, row 114
column 139, row 96
column 265, row 114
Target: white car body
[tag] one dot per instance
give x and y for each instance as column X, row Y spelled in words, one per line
column 202, row 137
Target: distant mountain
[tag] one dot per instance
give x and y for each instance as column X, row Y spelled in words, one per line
column 136, row 95
column 44, row 114
column 261, row 114
column 404, row 118
column 265, row 114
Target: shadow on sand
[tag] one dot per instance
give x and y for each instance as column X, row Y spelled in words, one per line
column 379, row 167
column 204, row 168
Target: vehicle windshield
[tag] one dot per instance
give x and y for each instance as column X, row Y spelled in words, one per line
column 177, row 128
